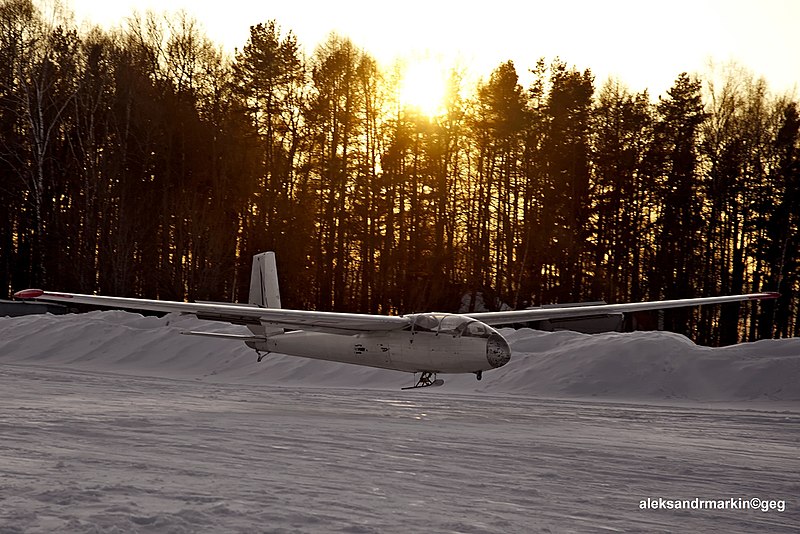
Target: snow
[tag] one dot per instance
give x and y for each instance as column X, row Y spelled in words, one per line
column 114, row 422
column 619, row 366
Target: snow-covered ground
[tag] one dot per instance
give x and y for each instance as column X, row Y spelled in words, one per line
column 113, row 422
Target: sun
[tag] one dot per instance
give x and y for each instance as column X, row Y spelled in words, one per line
column 423, row 87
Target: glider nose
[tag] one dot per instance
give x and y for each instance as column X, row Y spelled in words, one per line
column 497, row 350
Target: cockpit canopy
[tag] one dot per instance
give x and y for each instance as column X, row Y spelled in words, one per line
column 451, row 324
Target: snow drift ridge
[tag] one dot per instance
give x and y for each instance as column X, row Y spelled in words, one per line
column 639, row 365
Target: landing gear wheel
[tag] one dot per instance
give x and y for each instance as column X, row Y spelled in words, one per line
column 427, row 379
column 479, row 375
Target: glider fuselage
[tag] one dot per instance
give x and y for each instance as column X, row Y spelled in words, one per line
column 456, row 344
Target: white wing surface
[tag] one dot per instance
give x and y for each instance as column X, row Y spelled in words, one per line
column 347, row 323
column 539, row 314
column 352, row 323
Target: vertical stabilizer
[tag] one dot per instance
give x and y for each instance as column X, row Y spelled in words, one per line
column 264, row 290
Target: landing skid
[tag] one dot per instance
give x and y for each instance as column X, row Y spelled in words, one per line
column 426, row 380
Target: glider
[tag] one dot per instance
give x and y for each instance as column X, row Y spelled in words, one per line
column 421, row 343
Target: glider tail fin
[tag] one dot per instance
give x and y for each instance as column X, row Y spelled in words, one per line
column 264, row 290
column 264, row 293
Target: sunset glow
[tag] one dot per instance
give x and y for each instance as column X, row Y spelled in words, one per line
column 424, row 87
column 644, row 45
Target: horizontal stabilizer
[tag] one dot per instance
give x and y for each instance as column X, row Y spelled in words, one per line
column 217, row 303
column 222, row 335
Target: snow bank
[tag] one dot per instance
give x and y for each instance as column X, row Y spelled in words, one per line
column 650, row 365
column 639, row 365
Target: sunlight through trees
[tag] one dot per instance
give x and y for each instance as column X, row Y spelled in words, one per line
column 144, row 162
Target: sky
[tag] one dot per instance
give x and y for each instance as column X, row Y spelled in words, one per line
column 645, row 44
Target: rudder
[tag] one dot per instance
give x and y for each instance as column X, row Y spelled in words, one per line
column 264, row 291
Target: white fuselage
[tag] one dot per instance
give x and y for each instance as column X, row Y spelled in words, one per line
column 400, row 350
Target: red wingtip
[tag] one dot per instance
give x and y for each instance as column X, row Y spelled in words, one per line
column 28, row 294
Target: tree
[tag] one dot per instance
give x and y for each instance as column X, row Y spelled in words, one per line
column 677, row 185
column 733, row 145
column 622, row 130
column 494, row 213
column 782, row 241
column 17, row 20
column 38, row 88
column 567, row 175
column 270, row 81
column 333, row 112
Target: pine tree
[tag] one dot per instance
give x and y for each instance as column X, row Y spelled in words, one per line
column 680, row 225
column 567, row 155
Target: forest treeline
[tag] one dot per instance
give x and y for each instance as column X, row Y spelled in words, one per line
column 144, row 162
